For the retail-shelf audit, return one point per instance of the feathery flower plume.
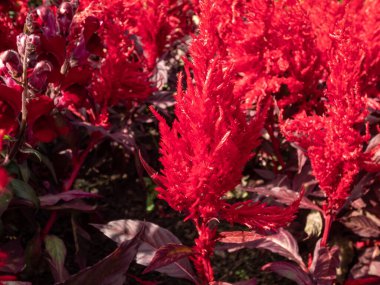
(332, 141)
(204, 151)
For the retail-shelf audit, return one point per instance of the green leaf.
(8, 138)
(5, 198)
(56, 249)
(31, 151)
(43, 159)
(24, 171)
(151, 195)
(23, 190)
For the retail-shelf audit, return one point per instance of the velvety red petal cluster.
(334, 140)
(207, 146)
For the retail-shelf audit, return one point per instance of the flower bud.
(21, 43)
(65, 17)
(39, 76)
(10, 61)
(49, 27)
(34, 43)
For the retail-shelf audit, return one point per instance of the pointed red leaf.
(290, 271)
(282, 243)
(154, 237)
(324, 265)
(110, 270)
(168, 254)
(362, 226)
(52, 199)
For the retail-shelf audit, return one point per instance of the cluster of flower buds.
(36, 67)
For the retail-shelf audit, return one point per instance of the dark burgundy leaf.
(111, 270)
(154, 237)
(168, 254)
(363, 281)
(362, 226)
(368, 263)
(374, 142)
(304, 179)
(161, 99)
(52, 199)
(151, 172)
(360, 189)
(283, 195)
(11, 257)
(325, 263)
(124, 137)
(281, 243)
(290, 271)
(302, 158)
(78, 205)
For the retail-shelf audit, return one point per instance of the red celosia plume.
(205, 149)
(333, 141)
(210, 141)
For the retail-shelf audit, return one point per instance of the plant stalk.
(24, 111)
(328, 221)
(69, 183)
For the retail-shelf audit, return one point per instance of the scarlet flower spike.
(332, 141)
(204, 151)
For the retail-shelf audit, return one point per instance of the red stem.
(49, 225)
(326, 230)
(77, 165)
(204, 247)
(275, 143)
(69, 183)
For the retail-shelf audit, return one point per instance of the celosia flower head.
(210, 141)
(332, 141)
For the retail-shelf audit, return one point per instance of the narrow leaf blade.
(153, 238)
(56, 250)
(290, 271)
(168, 254)
(110, 270)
